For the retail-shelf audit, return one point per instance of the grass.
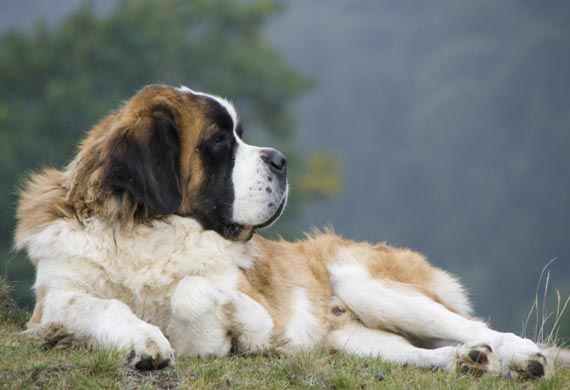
(24, 364)
(544, 323)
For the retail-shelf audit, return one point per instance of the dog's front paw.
(251, 325)
(150, 349)
(476, 359)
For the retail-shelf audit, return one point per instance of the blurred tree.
(55, 83)
(322, 176)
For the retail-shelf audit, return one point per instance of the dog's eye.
(220, 139)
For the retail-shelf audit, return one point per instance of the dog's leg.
(387, 305)
(252, 324)
(357, 339)
(207, 320)
(198, 326)
(107, 323)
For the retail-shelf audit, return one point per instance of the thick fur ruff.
(145, 242)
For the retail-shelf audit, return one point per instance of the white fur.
(353, 285)
(105, 322)
(142, 258)
(304, 330)
(206, 316)
(360, 340)
(388, 306)
(94, 265)
(445, 285)
(252, 325)
(223, 102)
(196, 318)
(257, 198)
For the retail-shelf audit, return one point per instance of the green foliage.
(55, 83)
(321, 176)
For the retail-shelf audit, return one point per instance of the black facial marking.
(218, 115)
(213, 208)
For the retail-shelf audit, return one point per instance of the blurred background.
(442, 126)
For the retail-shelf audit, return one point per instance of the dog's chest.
(142, 266)
(158, 257)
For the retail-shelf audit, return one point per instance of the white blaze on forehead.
(223, 102)
(185, 89)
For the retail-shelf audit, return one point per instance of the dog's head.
(176, 151)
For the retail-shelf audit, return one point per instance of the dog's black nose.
(276, 160)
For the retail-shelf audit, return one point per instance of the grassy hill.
(26, 365)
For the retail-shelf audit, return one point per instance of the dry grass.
(543, 322)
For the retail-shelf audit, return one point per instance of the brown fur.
(42, 202)
(86, 193)
(38, 309)
(281, 269)
(285, 266)
(77, 193)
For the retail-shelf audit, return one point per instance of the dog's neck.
(181, 242)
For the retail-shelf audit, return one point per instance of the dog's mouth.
(275, 215)
(239, 232)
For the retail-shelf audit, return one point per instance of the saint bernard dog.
(145, 242)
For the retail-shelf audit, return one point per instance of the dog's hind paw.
(526, 366)
(521, 358)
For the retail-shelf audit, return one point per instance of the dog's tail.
(560, 356)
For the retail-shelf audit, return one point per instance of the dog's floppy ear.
(144, 160)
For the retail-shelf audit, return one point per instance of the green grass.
(24, 364)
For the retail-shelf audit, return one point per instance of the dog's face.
(176, 151)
